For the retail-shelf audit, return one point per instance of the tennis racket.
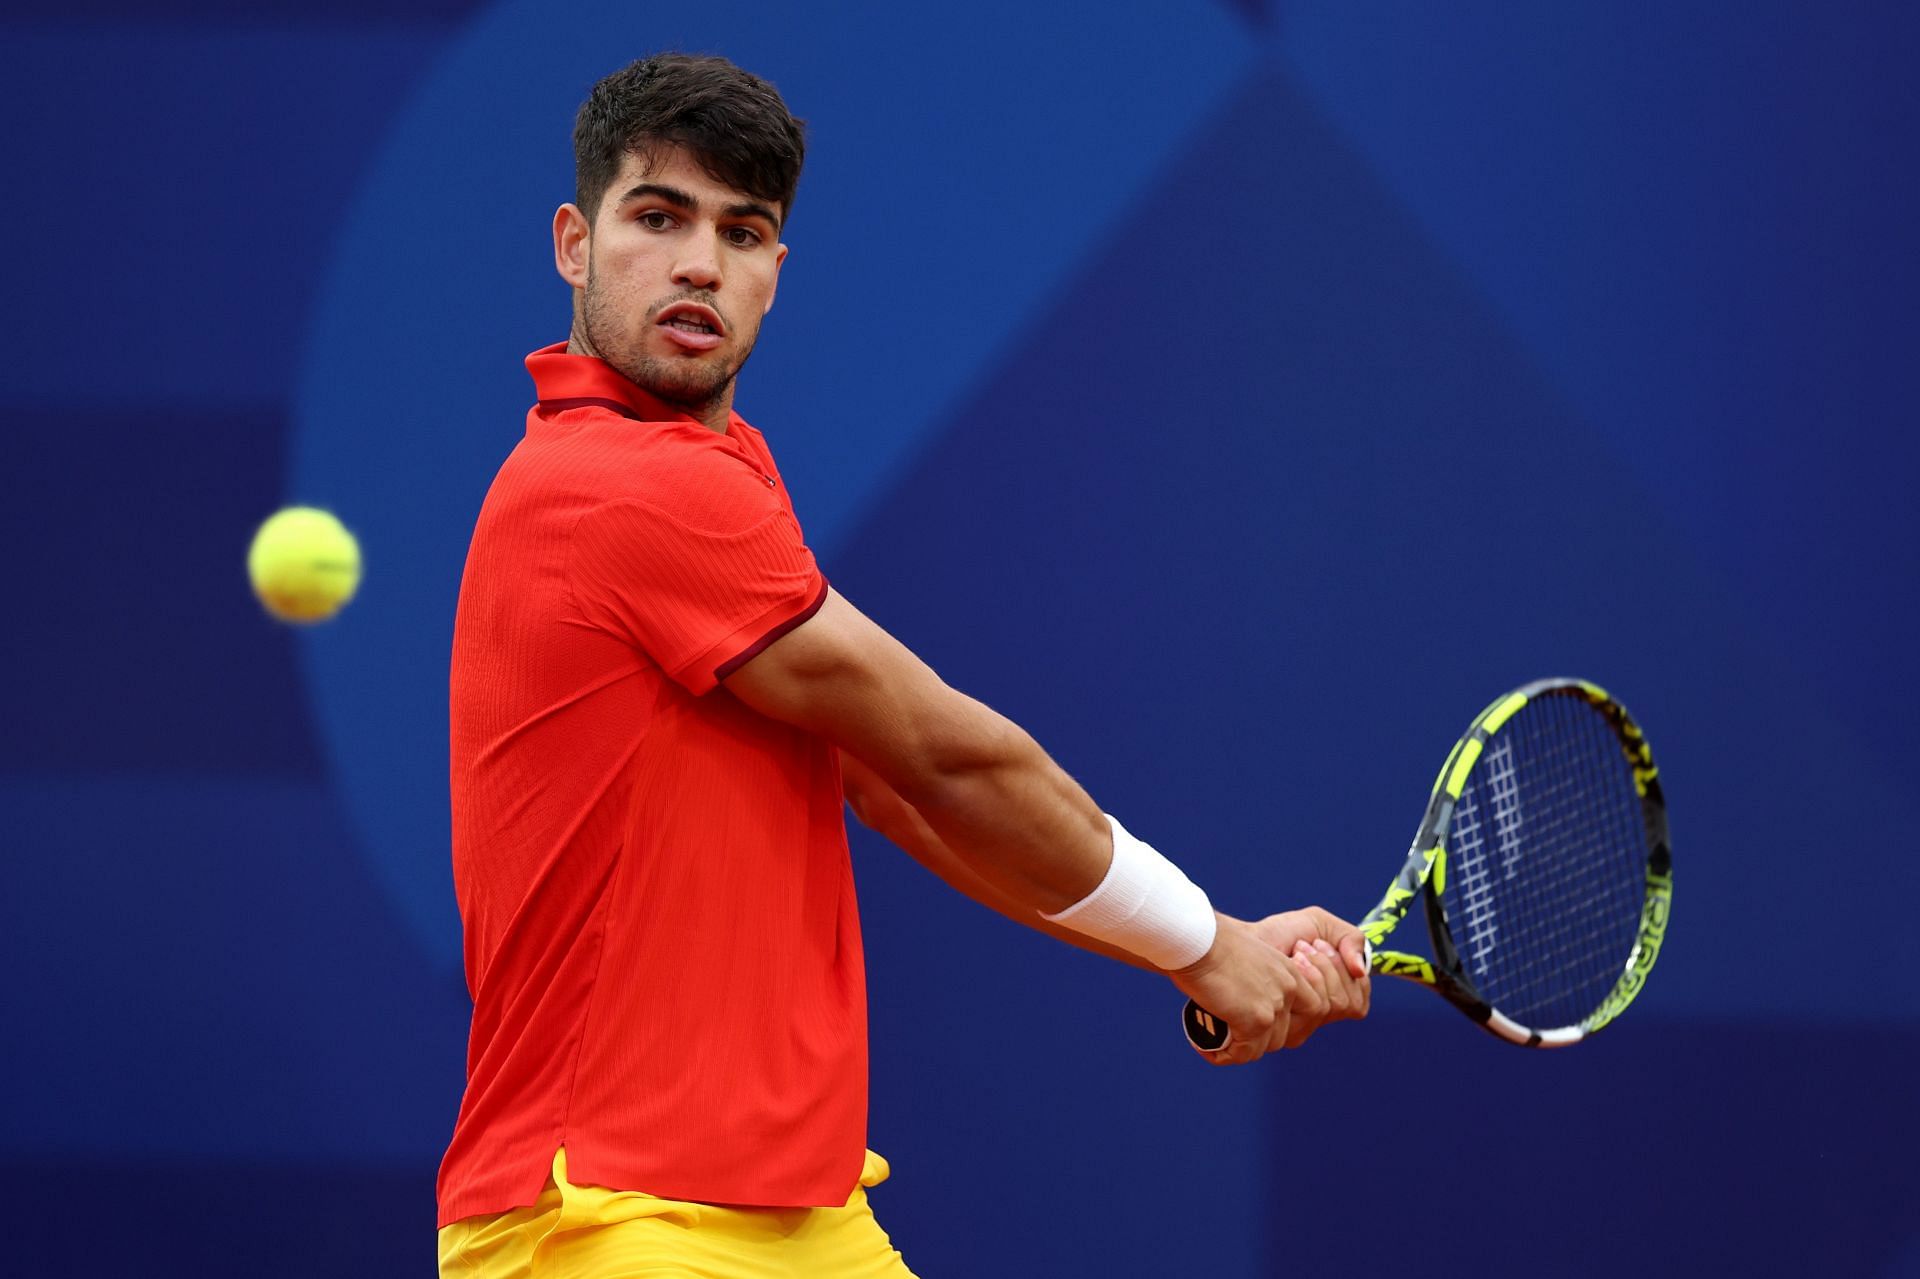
(1544, 868)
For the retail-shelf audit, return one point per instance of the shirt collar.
(561, 380)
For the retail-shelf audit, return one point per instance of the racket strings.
(1576, 941)
(1547, 859)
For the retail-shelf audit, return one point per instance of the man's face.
(678, 272)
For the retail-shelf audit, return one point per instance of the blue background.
(1239, 395)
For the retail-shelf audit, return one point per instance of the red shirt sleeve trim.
(760, 645)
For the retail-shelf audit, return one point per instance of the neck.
(714, 413)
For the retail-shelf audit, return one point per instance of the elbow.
(867, 810)
(872, 801)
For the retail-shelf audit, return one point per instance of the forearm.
(1004, 810)
(885, 813)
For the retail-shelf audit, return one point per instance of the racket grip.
(1208, 1033)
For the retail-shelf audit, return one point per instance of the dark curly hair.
(731, 120)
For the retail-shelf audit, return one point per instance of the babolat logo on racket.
(1206, 1032)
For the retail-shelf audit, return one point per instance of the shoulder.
(699, 479)
(681, 470)
(699, 490)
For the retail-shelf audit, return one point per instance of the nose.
(698, 266)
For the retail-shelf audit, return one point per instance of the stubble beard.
(692, 384)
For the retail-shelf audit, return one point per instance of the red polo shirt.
(661, 937)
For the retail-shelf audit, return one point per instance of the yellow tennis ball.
(304, 564)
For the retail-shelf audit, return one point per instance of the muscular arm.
(979, 784)
(975, 797)
(881, 810)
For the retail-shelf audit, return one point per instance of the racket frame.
(1423, 875)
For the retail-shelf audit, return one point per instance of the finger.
(1278, 1037)
(1362, 998)
(1353, 949)
(1350, 995)
(1309, 1005)
(1311, 965)
(1357, 979)
(1338, 984)
(1344, 937)
(1300, 1026)
(1304, 955)
(1250, 1037)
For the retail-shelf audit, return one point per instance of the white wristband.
(1145, 906)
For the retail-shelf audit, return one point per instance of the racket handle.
(1208, 1033)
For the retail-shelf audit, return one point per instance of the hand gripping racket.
(1544, 868)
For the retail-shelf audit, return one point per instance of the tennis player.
(660, 710)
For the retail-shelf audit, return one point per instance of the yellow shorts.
(590, 1232)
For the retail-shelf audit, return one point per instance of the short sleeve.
(700, 588)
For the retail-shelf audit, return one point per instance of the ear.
(779, 258)
(571, 235)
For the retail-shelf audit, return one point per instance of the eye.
(655, 220)
(742, 237)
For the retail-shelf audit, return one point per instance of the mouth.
(691, 326)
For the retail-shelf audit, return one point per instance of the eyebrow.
(686, 200)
